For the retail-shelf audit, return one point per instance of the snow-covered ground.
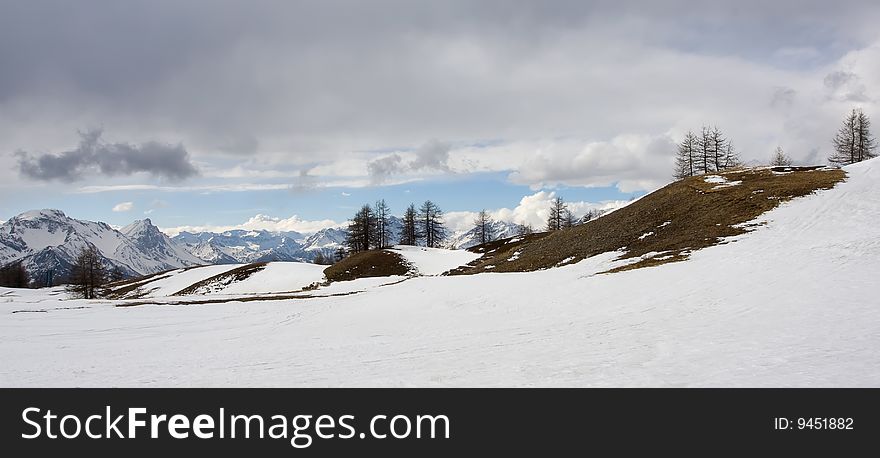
(166, 285)
(278, 277)
(434, 261)
(793, 303)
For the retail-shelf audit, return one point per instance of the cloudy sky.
(290, 114)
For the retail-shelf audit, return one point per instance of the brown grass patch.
(681, 217)
(373, 263)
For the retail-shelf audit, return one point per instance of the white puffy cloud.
(262, 222)
(632, 162)
(532, 210)
(123, 207)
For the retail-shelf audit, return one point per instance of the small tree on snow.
(88, 274)
(381, 231)
(410, 234)
(432, 226)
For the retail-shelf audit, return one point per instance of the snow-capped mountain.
(48, 241)
(244, 246)
(326, 241)
(467, 239)
(158, 245)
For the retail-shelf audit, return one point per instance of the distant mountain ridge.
(47, 241)
(468, 239)
(237, 246)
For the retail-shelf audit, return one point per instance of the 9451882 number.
(813, 423)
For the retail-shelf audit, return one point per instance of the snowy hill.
(433, 261)
(47, 242)
(789, 302)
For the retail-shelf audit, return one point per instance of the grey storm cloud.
(294, 82)
(783, 97)
(380, 170)
(432, 156)
(222, 74)
(847, 86)
(93, 155)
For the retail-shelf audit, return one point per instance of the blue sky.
(222, 208)
(307, 113)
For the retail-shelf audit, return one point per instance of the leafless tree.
(14, 275)
(382, 232)
(88, 274)
(360, 230)
(559, 215)
(524, 229)
(410, 234)
(780, 159)
(432, 226)
(484, 231)
(686, 159)
(853, 142)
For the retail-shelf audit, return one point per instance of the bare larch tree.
(87, 274)
(483, 229)
(780, 159)
(360, 230)
(382, 230)
(853, 142)
(410, 234)
(559, 215)
(432, 224)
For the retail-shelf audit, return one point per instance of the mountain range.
(47, 242)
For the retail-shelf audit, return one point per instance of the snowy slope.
(792, 303)
(434, 261)
(184, 278)
(278, 277)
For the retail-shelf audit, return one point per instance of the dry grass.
(373, 263)
(681, 217)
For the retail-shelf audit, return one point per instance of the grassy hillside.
(663, 226)
(374, 263)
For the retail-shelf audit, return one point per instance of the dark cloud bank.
(95, 156)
